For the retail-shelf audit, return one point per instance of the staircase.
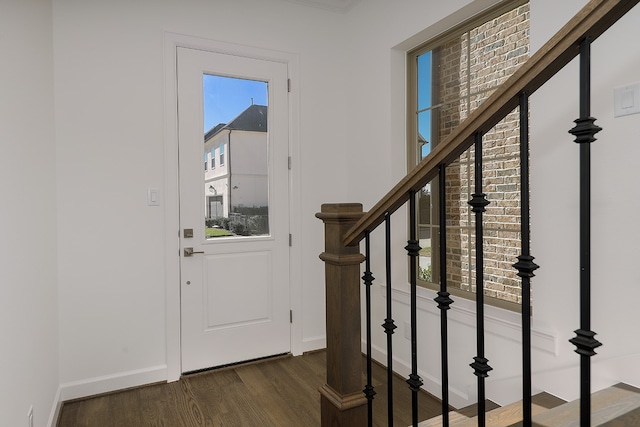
(618, 405)
(344, 402)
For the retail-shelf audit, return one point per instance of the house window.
(449, 78)
(221, 155)
(213, 158)
(205, 161)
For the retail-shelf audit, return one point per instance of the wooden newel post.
(342, 401)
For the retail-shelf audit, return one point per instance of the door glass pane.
(236, 183)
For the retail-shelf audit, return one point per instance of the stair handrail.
(591, 21)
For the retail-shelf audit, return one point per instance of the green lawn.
(217, 232)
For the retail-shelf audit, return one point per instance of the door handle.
(189, 252)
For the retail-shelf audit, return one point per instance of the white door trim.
(171, 192)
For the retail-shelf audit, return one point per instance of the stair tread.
(472, 410)
(606, 406)
(454, 417)
(500, 417)
(504, 416)
(547, 400)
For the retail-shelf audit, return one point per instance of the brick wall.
(470, 68)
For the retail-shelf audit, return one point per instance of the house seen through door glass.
(236, 182)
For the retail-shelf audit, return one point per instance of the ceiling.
(335, 5)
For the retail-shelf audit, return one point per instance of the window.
(213, 158)
(221, 155)
(205, 161)
(450, 77)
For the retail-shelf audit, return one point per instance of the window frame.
(412, 140)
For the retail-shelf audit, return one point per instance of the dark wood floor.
(276, 392)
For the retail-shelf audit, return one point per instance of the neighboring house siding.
(248, 160)
(216, 177)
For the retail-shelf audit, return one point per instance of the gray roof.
(252, 119)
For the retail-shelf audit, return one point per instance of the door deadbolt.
(189, 252)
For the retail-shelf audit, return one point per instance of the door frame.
(172, 196)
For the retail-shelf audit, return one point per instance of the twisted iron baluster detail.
(478, 204)
(368, 279)
(525, 264)
(389, 324)
(413, 250)
(585, 131)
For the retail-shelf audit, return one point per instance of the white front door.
(234, 213)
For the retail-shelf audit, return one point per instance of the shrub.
(258, 224)
(424, 274)
(237, 228)
(251, 210)
(224, 222)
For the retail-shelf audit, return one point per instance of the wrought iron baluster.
(413, 251)
(443, 299)
(584, 132)
(368, 279)
(525, 264)
(478, 203)
(389, 325)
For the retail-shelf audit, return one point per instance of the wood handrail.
(591, 21)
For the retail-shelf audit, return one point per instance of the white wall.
(28, 305)
(615, 202)
(109, 103)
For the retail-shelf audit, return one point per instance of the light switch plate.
(626, 100)
(153, 197)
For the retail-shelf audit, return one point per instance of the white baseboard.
(108, 383)
(312, 344)
(55, 409)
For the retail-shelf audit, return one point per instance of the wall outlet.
(30, 416)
